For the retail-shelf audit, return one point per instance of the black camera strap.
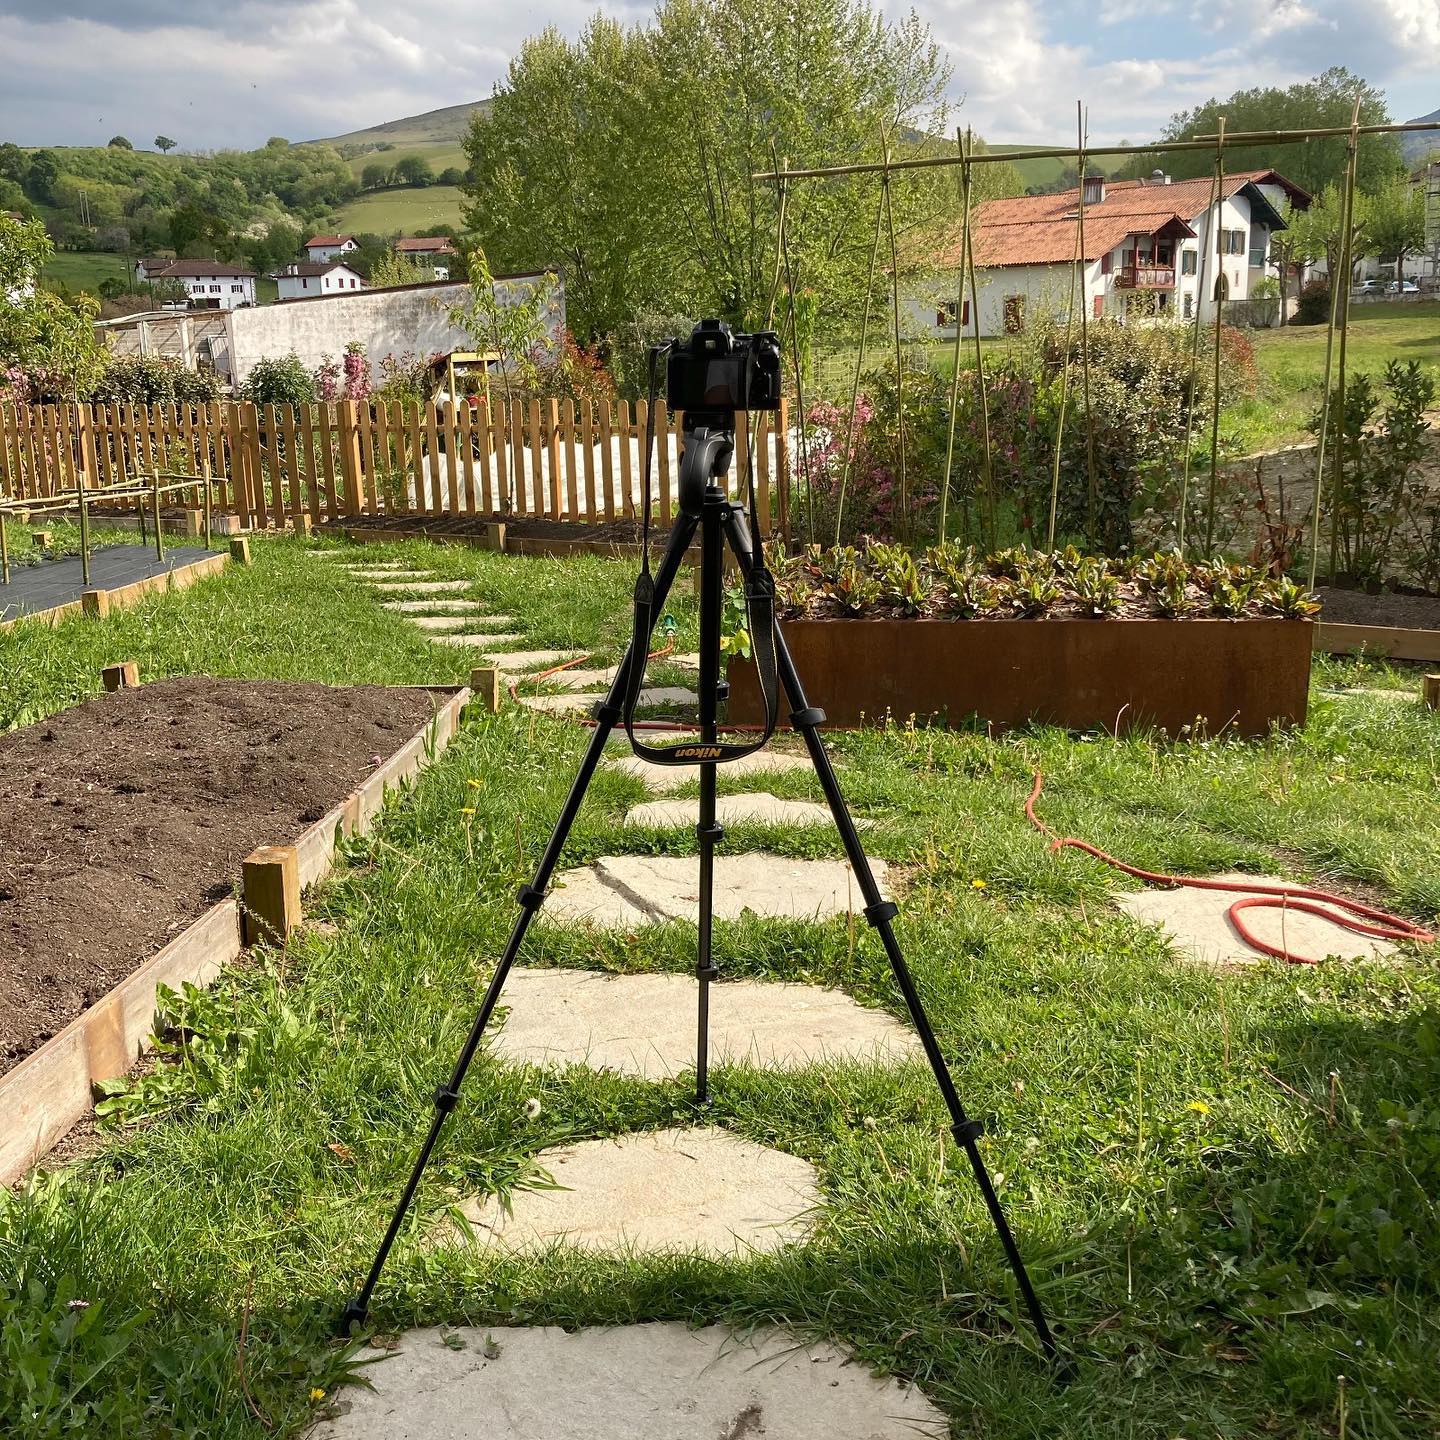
(759, 612)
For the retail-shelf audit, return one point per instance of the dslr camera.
(718, 371)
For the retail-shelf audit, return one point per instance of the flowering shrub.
(575, 374)
(951, 581)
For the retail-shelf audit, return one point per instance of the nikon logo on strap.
(697, 752)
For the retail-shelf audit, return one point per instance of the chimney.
(1094, 189)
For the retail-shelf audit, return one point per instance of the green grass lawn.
(1224, 1184)
(386, 211)
(84, 269)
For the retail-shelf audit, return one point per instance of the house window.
(304, 284)
(1222, 287)
(1234, 242)
(214, 289)
(1187, 262)
(236, 289)
(1106, 262)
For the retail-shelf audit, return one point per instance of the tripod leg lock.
(713, 833)
(446, 1099)
(707, 972)
(604, 714)
(527, 897)
(810, 718)
(967, 1131)
(882, 912)
(352, 1318)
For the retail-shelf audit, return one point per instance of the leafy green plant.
(1097, 590)
(279, 380)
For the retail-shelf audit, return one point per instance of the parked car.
(1396, 287)
(1370, 287)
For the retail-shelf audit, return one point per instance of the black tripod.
(704, 505)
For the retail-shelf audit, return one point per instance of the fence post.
(350, 469)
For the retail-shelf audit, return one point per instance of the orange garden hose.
(579, 660)
(1350, 914)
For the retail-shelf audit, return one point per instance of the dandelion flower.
(468, 810)
(317, 1394)
(977, 884)
(532, 1108)
(473, 784)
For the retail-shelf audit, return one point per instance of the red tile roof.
(426, 245)
(308, 269)
(315, 241)
(1040, 229)
(202, 270)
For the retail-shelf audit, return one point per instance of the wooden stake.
(44, 540)
(240, 549)
(95, 603)
(125, 675)
(485, 682)
(270, 893)
(1432, 691)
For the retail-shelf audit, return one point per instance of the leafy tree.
(277, 142)
(1325, 101)
(414, 170)
(14, 163)
(1319, 232)
(41, 176)
(451, 175)
(119, 142)
(39, 332)
(279, 380)
(164, 144)
(375, 176)
(1396, 223)
(393, 269)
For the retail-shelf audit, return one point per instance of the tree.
(164, 144)
(374, 176)
(14, 163)
(451, 175)
(40, 334)
(41, 175)
(119, 142)
(1397, 222)
(414, 170)
(1323, 102)
(1319, 232)
(393, 269)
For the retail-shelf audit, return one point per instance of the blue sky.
(213, 74)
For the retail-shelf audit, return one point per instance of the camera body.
(718, 371)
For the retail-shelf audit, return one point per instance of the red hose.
(1271, 897)
(578, 660)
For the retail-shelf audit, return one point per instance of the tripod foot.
(352, 1318)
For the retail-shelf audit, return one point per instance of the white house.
(309, 278)
(436, 251)
(210, 284)
(1146, 244)
(329, 247)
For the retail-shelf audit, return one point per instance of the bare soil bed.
(1402, 611)
(123, 819)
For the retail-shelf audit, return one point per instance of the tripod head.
(709, 448)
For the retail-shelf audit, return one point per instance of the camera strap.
(759, 610)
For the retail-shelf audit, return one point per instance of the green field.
(387, 212)
(1048, 171)
(1223, 1181)
(441, 156)
(78, 270)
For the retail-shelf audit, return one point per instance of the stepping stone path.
(689, 1190)
(629, 890)
(644, 1025)
(674, 1190)
(1196, 924)
(660, 1381)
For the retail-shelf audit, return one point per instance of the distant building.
(433, 250)
(1146, 242)
(209, 284)
(329, 247)
(309, 278)
(147, 267)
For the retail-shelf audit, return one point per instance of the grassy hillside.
(84, 269)
(384, 212)
(1048, 171)
(434, 128)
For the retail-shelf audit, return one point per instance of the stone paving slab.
(416, 607)
(644, 1025)
(534, 659)
(757, 809)
(688, 1190)
(660, 1381)
(661, 778)
(440, 623)
(420, 587)
(390, 572)
(580, 678)
(1196, 923)
(628, 890)
(587, 700)
(475, 642)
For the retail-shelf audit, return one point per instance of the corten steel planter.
(1241, 676)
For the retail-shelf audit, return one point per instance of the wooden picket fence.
(271, 464)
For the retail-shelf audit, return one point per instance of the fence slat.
(367, 483)
(572, 476)
(782, 468)
(480, 431)
(642, 412)
(378, 456)
(465, 417)
(325, 423)
(538, 505)
(662, 443)
(627, 479)
(552, 458)
(587, 455)
(450, 427)
(68, 472)
(607, 461)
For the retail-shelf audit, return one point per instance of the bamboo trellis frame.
(965, 159)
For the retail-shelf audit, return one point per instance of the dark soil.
(1404, 612)
(607, 532)
(123, 819)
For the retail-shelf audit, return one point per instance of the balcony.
(1145, 277)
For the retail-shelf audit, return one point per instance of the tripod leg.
(530, 898)
(880, 913)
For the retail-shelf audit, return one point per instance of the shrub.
(279, 380)
(153, 380)
(1313, 306)
(575, 374)
(630, 346)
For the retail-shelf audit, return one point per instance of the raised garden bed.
(123, 825)
(1060, 639)
(120, 576)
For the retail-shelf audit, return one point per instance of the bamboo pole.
(1092, 493)
(955, 359)
(855, 387)
(1065, 152)
(1202, 271)
(784, 240)
(1325, 420)
(1221, 290)
(1075, 263)
(895, 326)
(986, 468)
(1347, 240)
